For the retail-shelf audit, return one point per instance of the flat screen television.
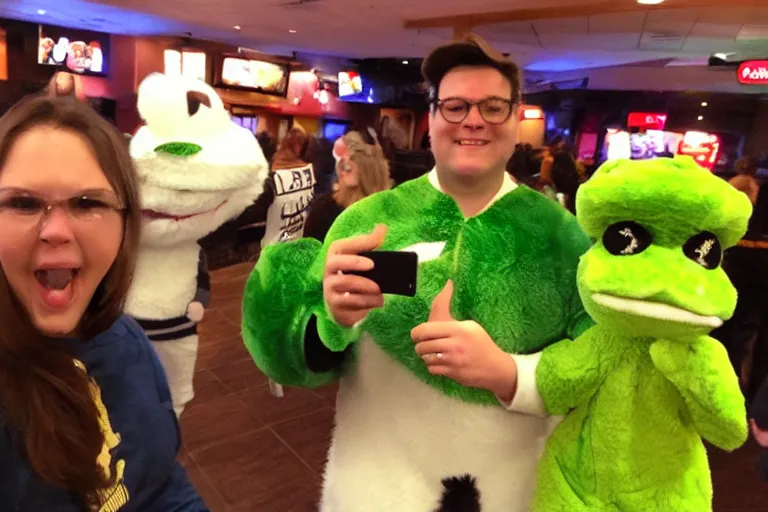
(80, 51)
(333, 129)
(350, 84)
(255, 75)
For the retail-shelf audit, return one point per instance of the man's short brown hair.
(471, 50)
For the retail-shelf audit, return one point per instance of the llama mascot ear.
(198, 170)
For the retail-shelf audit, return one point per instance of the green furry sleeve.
(703, 375)
(280, 297)
(570, 372)
(283, 292)
(358, 219)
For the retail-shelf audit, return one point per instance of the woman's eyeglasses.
(27, 209)
(493, 110)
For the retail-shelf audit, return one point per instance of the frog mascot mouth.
(639, 390)
(197, 170)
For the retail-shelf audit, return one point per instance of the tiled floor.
(247, 451)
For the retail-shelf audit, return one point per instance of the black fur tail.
(460, 494)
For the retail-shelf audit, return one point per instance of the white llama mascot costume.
(197, 170)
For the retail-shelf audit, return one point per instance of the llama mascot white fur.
(197, 170)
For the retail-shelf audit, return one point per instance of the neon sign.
(647, 121)
(753, 72)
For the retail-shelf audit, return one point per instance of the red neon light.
(753, 72)
(703, 147)
(649, 121)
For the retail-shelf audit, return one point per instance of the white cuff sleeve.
(527, 399)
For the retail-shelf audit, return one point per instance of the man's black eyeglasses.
(493, 110)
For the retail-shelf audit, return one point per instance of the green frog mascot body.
(643, 387)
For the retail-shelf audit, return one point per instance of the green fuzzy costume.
(642, 387)
(403, 435)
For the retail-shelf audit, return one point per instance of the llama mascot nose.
(197, 170)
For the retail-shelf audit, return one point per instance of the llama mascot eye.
(197, 170)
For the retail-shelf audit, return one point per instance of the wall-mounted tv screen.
(256, 75)
(333, 129)
(80, 51)
(350, 84)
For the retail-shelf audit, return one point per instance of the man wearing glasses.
(434, 413)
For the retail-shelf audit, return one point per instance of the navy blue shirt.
(142, 435)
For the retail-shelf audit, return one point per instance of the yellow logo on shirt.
(116, 496)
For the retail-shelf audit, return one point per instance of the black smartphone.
(393, 271)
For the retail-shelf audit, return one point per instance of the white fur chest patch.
(426, 251)
(396, 439)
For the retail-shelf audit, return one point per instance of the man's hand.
(349, 297)
(463, 350)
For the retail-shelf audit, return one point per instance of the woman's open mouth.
(57, 286)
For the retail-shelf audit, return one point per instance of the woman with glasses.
(435, 412)
(86, 421)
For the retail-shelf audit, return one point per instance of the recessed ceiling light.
(292, 31)
(237, 27)
(650, 2)
(701, 118)
(41, 12)
(405, 62)
(704, 103)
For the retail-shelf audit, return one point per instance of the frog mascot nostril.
(642, 388)
(197, 170)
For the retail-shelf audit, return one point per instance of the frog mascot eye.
(646, 384)
(626, 239)
(704, 248)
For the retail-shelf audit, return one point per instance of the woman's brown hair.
(291, 150)
(46, 399)
(372, 169)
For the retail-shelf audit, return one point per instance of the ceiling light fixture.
(405, 62)
(292, 31)
(701, 118)
(650, 2)
(41, 12)
(237, 27)
(704, 103)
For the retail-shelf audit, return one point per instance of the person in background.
(758, 415)
(290, 151)
(288, 190)
(320, 154)
(745, 335)
(566, 180)
(289, 155)
(86, 421)
(268, 145)
(745, 181)
(522, 166)
(362, 170)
